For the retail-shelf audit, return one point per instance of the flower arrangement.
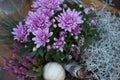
(49, 32)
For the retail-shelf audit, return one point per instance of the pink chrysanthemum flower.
(59, 43)
(37, 20)
(41, 37)
(46, 12)
(20, 33)
(69, 20)
(76, 30)
(47, 4)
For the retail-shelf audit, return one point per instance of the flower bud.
(94, 22)
(65, 5)
(34, 49)
(54, 25)
(80, 6)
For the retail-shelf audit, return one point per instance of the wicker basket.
(100, 5)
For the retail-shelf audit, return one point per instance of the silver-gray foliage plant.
(104, 61)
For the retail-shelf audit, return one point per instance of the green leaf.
(41, 51)
(31, 54)
(27, 51)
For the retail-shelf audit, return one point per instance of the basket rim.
(101, 5)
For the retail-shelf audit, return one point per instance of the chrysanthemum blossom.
(41, 37)
(37, 20)
(46, 12)
(76, 30)
(69, 19)
(47, 4)
(36, 4)
(59, 43)
(20, 33)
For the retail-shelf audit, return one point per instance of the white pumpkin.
(53, 71)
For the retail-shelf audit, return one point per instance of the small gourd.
(53, 71)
